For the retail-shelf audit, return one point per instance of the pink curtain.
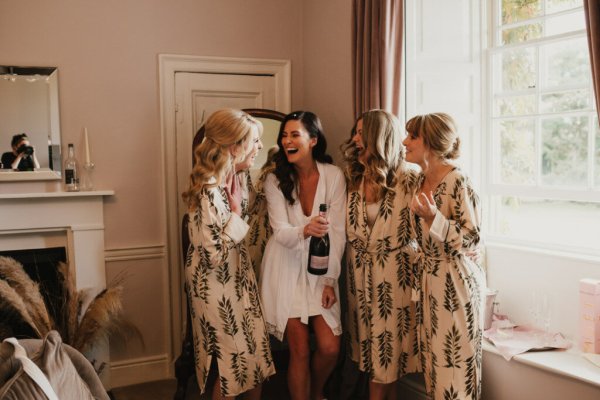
(592, 21)
(377, 30)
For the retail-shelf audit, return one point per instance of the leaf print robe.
(382, 277)
(260, 227)
(452, 287)
(226, 312)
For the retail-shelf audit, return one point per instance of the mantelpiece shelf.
(57, 194)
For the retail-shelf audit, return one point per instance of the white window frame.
(492, 185)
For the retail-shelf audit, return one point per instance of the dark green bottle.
(318, 253)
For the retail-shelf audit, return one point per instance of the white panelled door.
(200, 94)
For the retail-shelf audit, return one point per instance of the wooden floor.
(273, 389)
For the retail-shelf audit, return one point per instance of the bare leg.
(254, 393)
(216, 394)
(381, 391)
(324, 358)
(298, 368)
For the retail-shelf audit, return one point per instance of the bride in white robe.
(303, 179)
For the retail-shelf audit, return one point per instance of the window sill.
(567, 254)
(568, 363)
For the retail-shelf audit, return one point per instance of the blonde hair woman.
(226, 312)
(380, 253)
(448, 229)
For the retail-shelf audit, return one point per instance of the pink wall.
(327, 67)
(107, 55)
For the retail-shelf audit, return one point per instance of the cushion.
(53, 360)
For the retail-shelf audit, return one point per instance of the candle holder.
(87, 181)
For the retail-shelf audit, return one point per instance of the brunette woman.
(303, 179)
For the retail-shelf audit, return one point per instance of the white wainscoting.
(135, 253)
(140, 370)
(155, 364)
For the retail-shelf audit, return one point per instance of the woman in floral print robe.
(381, 254)
(447, 224)
(226, 312)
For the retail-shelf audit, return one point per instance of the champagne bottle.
(318, 253)
(71, 171)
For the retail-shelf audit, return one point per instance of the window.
(543, 164)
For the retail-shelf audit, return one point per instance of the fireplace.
(38, 223)
(40, 265)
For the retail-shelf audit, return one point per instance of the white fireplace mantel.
(76, 221)
(79, 215)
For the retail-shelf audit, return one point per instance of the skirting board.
(139, 370)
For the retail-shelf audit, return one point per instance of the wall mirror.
(29, 104)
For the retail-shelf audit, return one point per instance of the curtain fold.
(592, 22)
(377, 30)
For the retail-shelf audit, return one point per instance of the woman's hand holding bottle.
(317, 227)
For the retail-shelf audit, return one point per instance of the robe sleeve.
(214, 234)
(284, 232)
(460, 230)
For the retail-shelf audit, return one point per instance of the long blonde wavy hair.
(213, 158)
(382, 138)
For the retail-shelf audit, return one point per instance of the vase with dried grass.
(81, 318)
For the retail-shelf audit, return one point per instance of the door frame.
(168, 65)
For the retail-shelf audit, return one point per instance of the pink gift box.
(589, 311)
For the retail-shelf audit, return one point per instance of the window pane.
(565, 101)
(565, 23)
(518, 69)
(517, 151)
(519, 10)
(564, 151)
(522, 33)
(553, 6)
(536, 220)
(514, 105)
(565, 63)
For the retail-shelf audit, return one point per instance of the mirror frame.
(44, 173)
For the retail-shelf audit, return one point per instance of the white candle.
(87, 147)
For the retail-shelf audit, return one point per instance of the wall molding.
(139, 370)
(135, 253)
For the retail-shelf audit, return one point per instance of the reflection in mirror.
(29, 104)
(271, 121)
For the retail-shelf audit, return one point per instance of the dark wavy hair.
(17, 138)
(284, 170)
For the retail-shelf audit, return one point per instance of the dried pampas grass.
(70, 303)
(15, 276)
(82, 319)
(98, 317)
(10, 300)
